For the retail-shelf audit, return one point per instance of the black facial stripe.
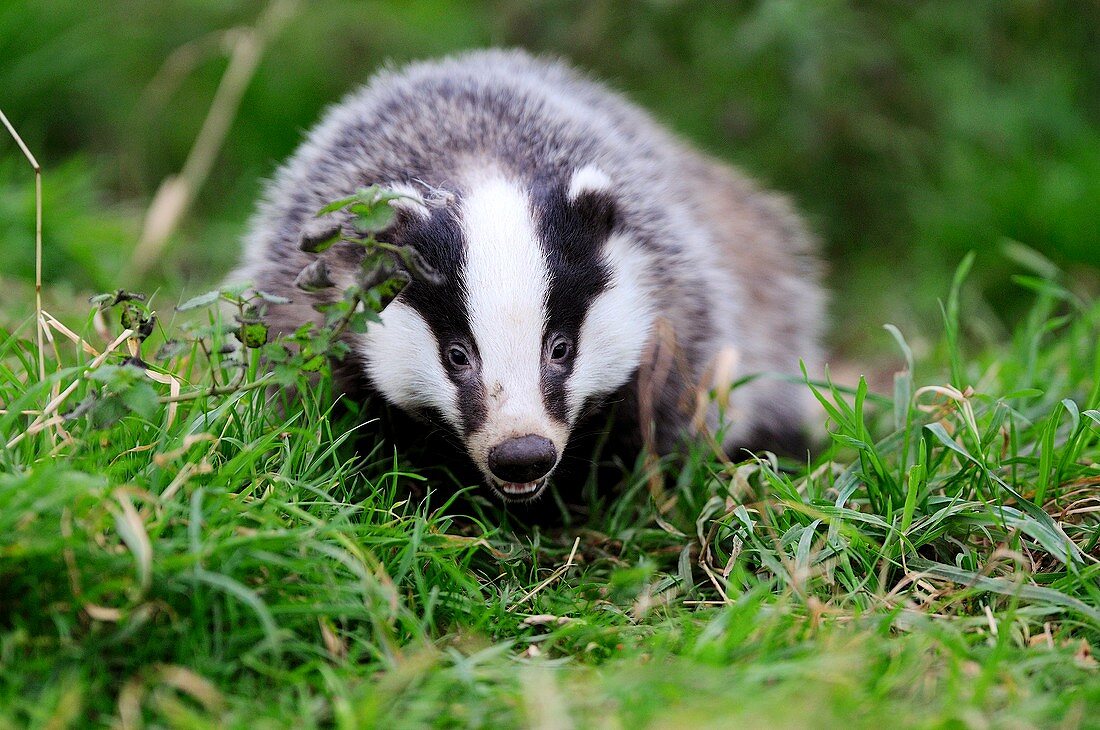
(572, 234)
(440, 241)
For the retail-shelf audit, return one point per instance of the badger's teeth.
(516, 488)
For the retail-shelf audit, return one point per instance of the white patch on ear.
(506, 281)
(402, 361)
(588, 179)
(411, 200)
(615, 329)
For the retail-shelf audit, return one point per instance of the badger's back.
(725, 269)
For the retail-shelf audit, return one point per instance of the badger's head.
(540, 312)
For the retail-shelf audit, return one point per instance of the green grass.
(228, 562)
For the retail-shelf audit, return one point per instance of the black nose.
(522, 459)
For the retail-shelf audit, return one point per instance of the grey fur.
(732, 266)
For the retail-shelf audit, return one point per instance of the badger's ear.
(318, 232)
(410, 205)
(590, 193)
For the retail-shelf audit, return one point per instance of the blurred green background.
(908, 133)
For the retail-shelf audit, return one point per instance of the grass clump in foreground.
(178, 551)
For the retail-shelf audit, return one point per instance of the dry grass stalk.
(39, 327)
(559, 572)
(176, 193)
(46, 418)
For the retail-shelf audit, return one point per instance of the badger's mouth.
(517, 492)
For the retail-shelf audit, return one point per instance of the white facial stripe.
(506, 280)
(615, 329)
(403, 363)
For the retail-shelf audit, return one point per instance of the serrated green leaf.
(372, 219)
(271, 298)
(202, 300)
(171, 349)
(313, 364)
(107, 411)
(140, 398)
(337, 205)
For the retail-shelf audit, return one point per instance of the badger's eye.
(561, 349)
(457, 358)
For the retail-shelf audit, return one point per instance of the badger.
(586, 259)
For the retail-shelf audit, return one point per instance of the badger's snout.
(523, 459)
